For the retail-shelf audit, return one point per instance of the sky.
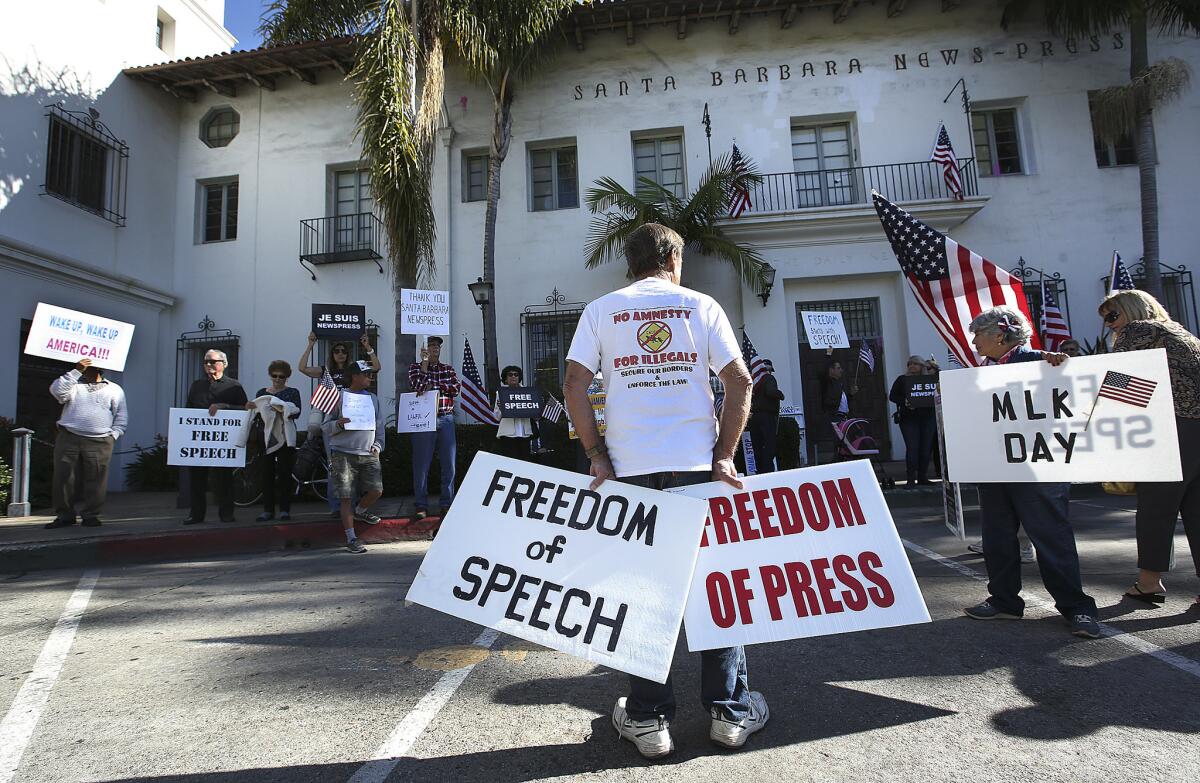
(241, 19)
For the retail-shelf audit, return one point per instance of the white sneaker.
(734, 734)
(650, 737)
(1027, 555)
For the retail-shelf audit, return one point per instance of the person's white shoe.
(1027, 556)
(733, 734)
(651, 737)
(977, 547)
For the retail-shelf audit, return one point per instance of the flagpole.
(1088, 423)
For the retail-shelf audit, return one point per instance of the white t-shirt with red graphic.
(655, 343)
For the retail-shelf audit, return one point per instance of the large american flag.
(757, 365)
(327, 395)
(474, 399)
(1054, 325)
(739, 198)
(1127, 388)
(943, 153)
(952, 284)
(1118, 276)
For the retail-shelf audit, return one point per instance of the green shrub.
(150, 471)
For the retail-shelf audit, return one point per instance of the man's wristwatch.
(595, 451)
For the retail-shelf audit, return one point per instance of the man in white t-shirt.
(655, 343)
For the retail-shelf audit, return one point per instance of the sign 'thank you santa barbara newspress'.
(424, 312)
(531, 551)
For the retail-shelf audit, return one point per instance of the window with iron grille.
(548, 338)
(475, 170)
(1057, 287)
(553, 178)
(660, 159)
(218, 210)
(86, 164)
(997, 142)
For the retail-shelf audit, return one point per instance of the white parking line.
(17, 727)
(1141, 645)
(410, 728)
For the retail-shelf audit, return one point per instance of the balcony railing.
(795, 190)
(334, 240)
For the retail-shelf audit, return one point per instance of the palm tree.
(515, 39)
(618, 212)
(398, 40)
(1128, 110)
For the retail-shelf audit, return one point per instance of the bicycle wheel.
(319, 483)
(247, 484)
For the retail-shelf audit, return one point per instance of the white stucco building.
(243, 180)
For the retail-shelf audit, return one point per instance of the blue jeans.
(723, 679)
(423, 444)
(1042, 510)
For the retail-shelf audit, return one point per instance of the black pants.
(277, 479)
(1160, 503)
(221, 480)
(1041, 509)
(919, 434)
(764, 437)
(517, 448)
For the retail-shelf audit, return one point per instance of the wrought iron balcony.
(898, 182)
(342, 238)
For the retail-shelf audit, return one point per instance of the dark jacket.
(226, 394)
(766, 396)
(899, 395)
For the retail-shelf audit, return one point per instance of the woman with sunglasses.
(1139, 322)
(339, 362)
(278, 464)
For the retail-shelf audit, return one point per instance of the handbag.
(1119, 487)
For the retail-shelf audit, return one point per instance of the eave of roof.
(224, 73)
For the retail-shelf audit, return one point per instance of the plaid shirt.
(441, 377)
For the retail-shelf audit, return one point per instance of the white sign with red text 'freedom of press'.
(801, 553)
(531, 551)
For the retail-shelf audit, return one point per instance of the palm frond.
(606, 193)
(1176, 17)
(1115, 110)
(745, 259)
(297, 21)
(606, 238)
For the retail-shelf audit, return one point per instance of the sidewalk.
(146, 526)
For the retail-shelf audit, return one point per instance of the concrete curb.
(206, 541)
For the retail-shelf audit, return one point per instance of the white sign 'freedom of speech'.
(424, 312)
(1029, 421)
(531, 551)
(825, 329)
(69, 335)
(196, 439)
(417, 412)
(806, 552)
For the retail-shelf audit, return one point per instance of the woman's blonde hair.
(1134, 305)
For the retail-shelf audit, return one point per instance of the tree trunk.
(405, 345)
(1139, 61)
(501, 136)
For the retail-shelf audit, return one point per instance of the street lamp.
(481, 292)
(768, 282)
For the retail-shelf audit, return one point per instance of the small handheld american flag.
(867, 356)
(1125, 388)
(553, 410)
(1054, 325)
(739, 198)
(327, 395)
(1118, 276)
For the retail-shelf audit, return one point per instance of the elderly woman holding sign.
(1001, 334)
(1140, 322)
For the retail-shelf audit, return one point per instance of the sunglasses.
(338, 350)
(280, 377)
(1111, 317)
(213, 361)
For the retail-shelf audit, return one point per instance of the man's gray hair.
(221, 354)
(1003, 320)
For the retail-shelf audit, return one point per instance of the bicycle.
(311, 471)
